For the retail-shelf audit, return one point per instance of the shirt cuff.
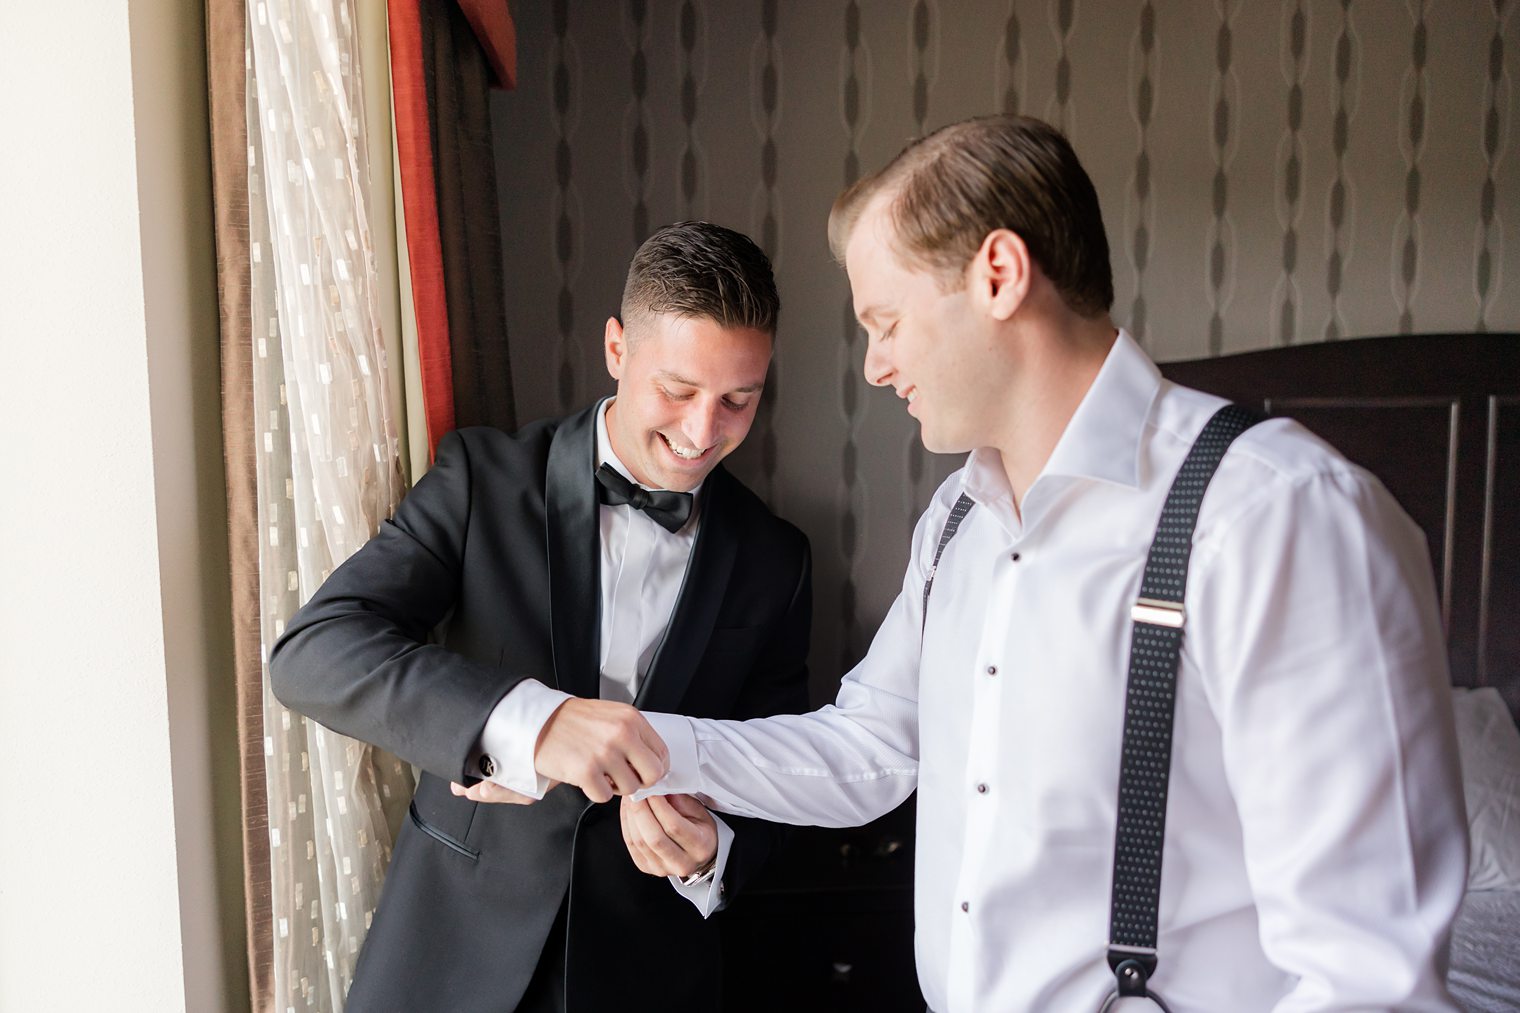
(682, 776)
(510, 737)
(708, 896)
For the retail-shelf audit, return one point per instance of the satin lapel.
(571, 524)
(712, 561)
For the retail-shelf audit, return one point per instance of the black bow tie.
(667, 509)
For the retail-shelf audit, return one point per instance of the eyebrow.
(869, 313)
(678, 378)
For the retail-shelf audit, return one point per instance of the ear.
(615, 345)
(1001, 272)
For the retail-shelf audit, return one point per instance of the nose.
(877, 369)
(702, 422)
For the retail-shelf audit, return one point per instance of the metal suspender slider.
(1158, 613)
(1149, 708)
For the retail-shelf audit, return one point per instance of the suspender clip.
(1132, 967)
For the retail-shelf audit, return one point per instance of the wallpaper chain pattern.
(1221, 231)
(689, 156)
(1406, 241)
(566, 207)
(1008, 74)
(924, 40)
(1294, 50)
(1490, 237)
(765, 219)
(1340, 203)
(1270, 172)
(637, 126)
(851, 496)
(1139, 211)
(1063, 19)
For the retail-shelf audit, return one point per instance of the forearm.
(358, 676)
(818, 769)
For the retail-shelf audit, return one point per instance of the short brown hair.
(953, 187)
(697, 269)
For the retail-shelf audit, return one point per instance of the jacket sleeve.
(356, 657)
(777, 685)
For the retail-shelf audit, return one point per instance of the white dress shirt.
(1315, 842)
(642, 567)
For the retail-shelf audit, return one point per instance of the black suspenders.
(958, 513)
(1150, 703)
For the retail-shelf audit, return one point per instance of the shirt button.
(981, 789)
(1014, 556)
(992, 670)
(965, 905)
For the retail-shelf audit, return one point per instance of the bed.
(1437, 419)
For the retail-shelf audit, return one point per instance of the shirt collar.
(1102, 440)
(606, 455)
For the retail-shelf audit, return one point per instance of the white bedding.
(1485, 952)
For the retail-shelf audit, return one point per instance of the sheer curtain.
(328, 468)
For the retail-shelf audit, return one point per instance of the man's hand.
(669, 835)
(489, 791)
(601, 747)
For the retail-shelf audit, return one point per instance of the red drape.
(424, 252)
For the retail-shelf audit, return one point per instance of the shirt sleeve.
(708, 897)
(1318, 640)
(842, 765)
(510, 737)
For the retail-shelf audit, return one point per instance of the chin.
(936, 443)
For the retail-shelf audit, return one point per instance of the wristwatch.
(703, 874)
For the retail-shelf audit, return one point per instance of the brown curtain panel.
(226, 40)
(459, 76)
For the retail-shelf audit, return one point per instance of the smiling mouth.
(685, 455)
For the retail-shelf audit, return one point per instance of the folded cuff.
(510, 736)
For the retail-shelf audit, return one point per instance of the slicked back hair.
(950, 189)
(697, 269)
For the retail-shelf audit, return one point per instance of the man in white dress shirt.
(1315, 842)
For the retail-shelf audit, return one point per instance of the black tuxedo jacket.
(488, 575)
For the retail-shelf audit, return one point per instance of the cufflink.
(487, 765)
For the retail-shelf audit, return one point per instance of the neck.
(617, 451)
(1057, 369)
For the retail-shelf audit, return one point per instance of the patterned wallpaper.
(1272, 171)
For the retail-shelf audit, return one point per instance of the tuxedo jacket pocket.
(444, 816)
(447, 840)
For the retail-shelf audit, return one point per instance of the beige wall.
(1160, 98)
(118, 867)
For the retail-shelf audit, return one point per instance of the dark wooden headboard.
(1437, 418)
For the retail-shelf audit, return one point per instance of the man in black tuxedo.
(497, 632)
